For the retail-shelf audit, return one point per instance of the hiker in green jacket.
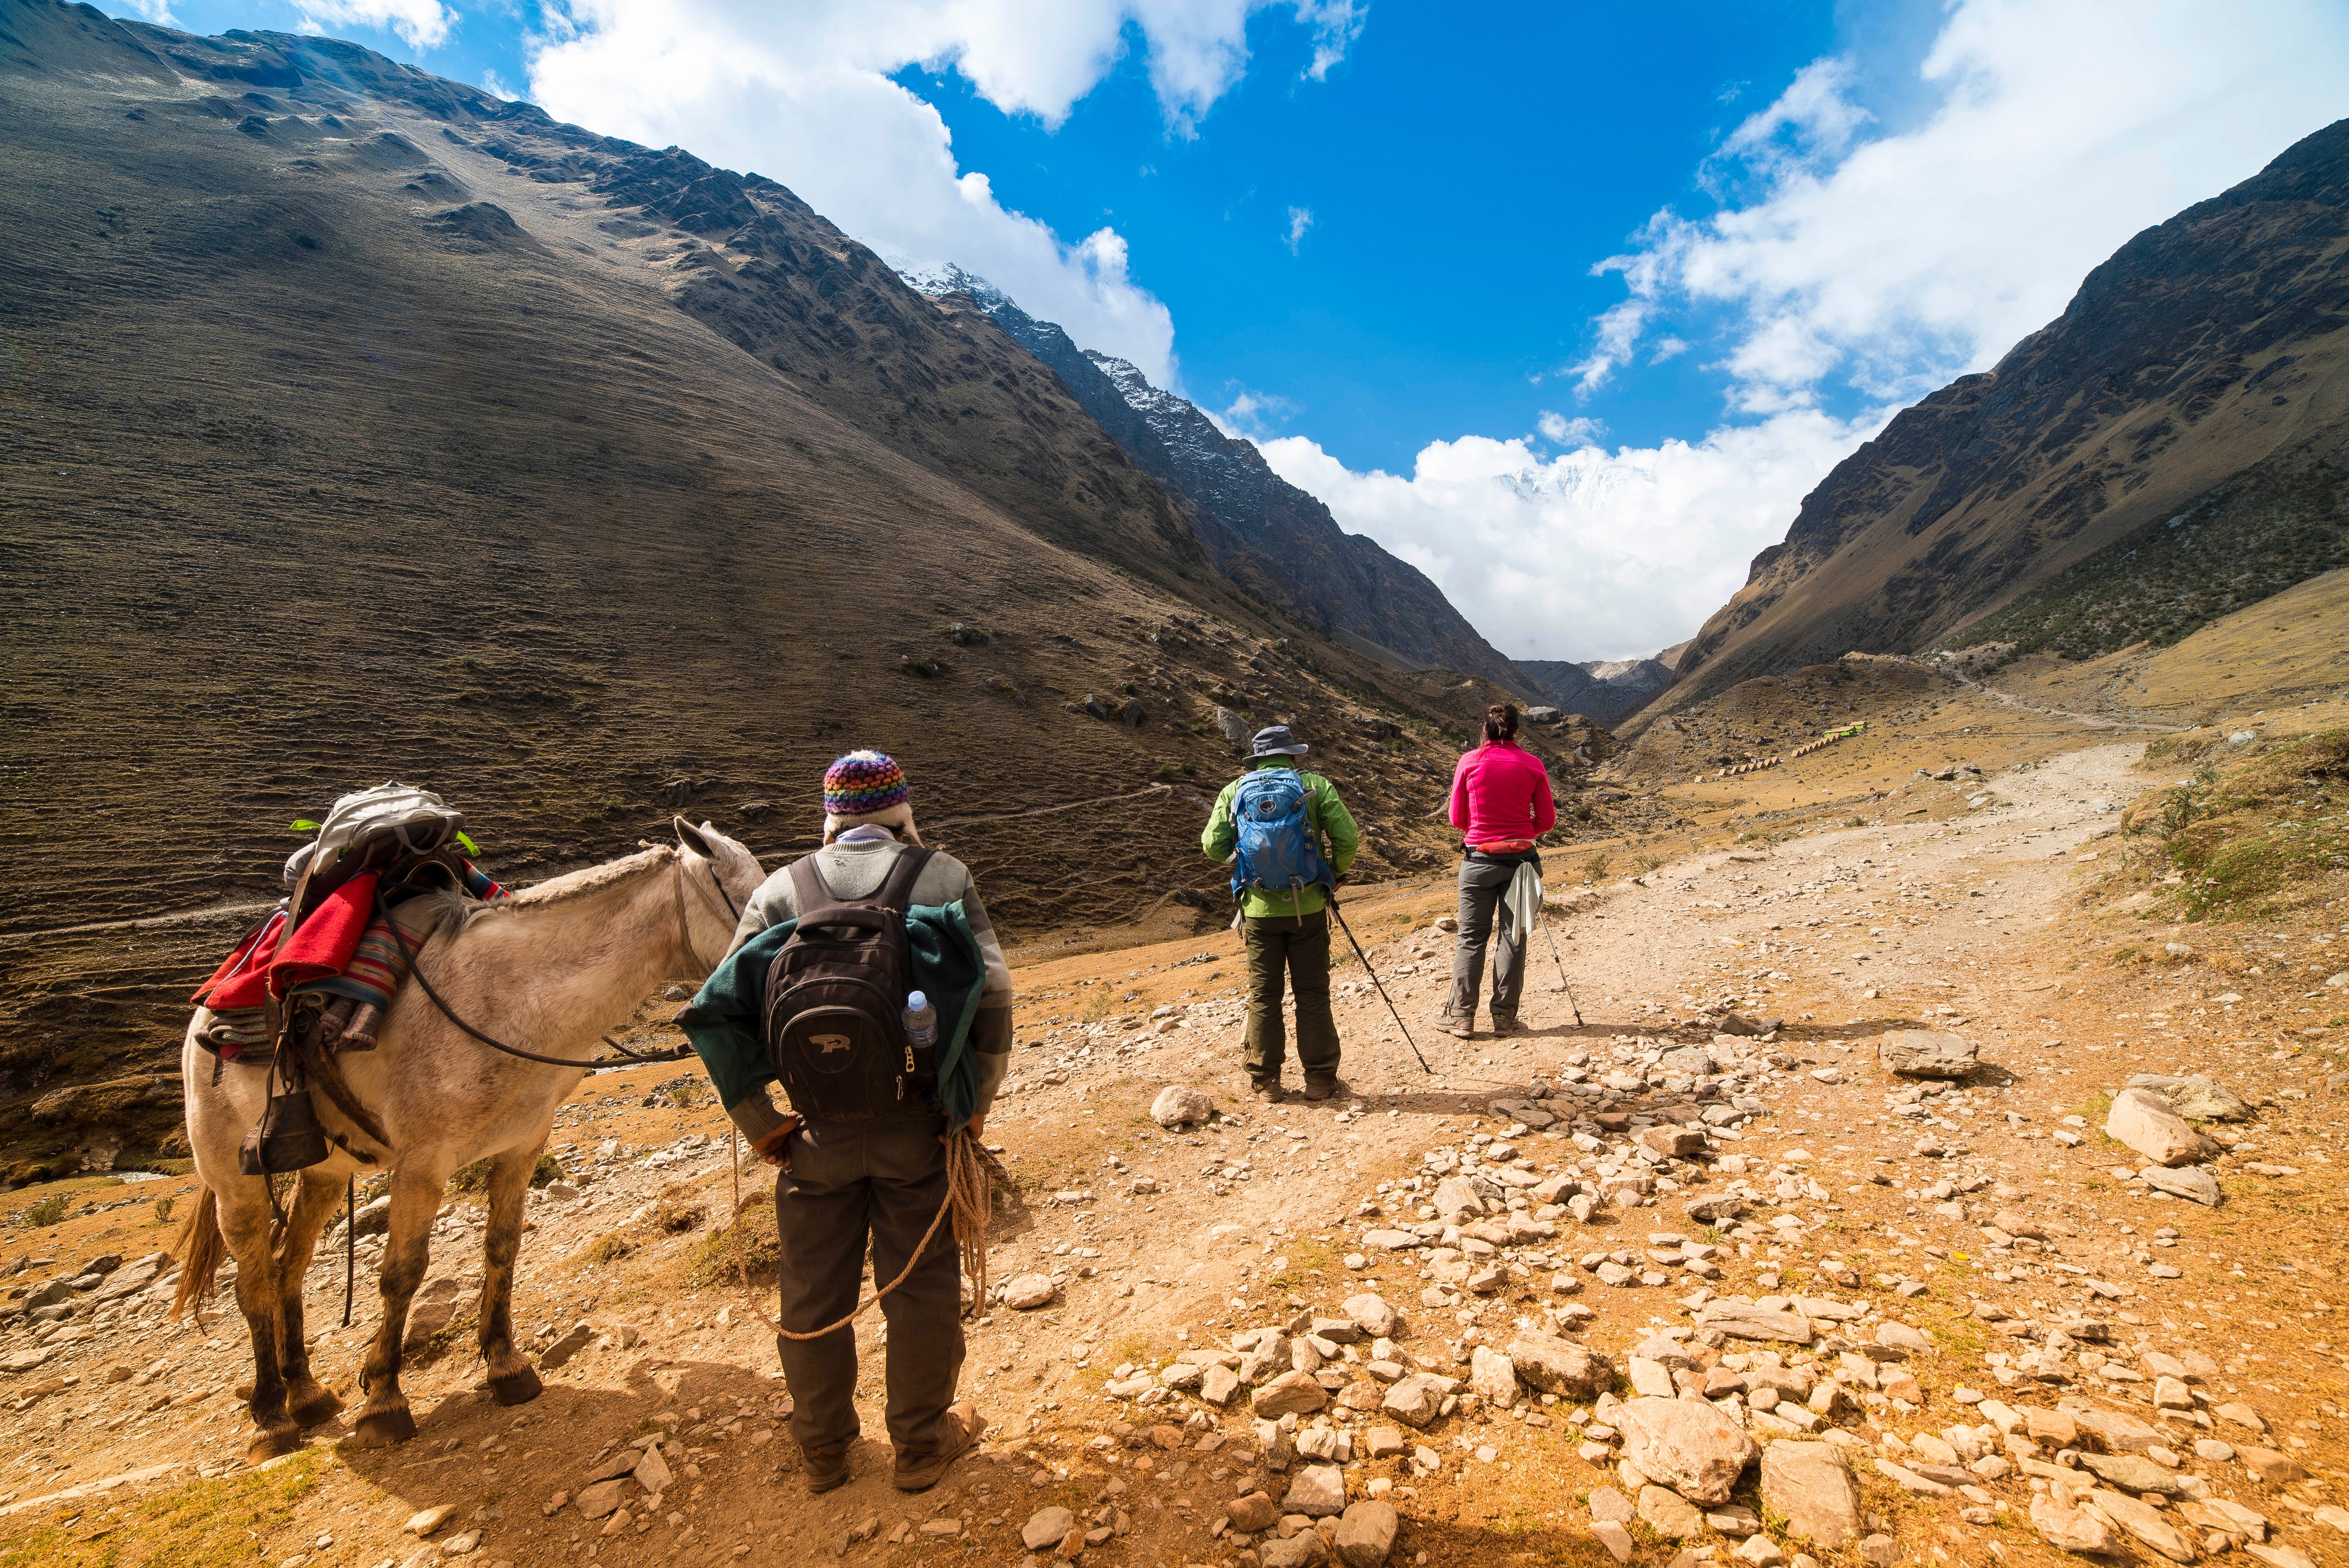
(1274, 830)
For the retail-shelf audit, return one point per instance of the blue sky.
(1568, 304)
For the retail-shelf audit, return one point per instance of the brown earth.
(2020, 925)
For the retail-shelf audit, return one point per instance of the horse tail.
(200, 1247)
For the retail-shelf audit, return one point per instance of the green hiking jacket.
(726, 1020)
(1324, 813)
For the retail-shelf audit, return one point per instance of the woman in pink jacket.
(1501, 803)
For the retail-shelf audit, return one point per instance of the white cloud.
(1253, 415)
(1299, 220)
(1588, 554)
(1890, 262)
(801, 92)
(1581, 431)
(156, 11)
(419, 24)
(1864, 253)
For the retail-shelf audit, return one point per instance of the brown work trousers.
(851, 1184)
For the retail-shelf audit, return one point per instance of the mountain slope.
(1262, 532)
(355, 425)
(2211, 349)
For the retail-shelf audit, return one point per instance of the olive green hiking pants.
(1296, 946)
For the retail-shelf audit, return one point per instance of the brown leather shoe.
(827, 1467)
(1267, 1091)
(1327, 1088)
(959, 1431)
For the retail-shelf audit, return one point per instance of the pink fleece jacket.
(1501, 791)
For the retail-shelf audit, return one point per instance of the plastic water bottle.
(921, 1022)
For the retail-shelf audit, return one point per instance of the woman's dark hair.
(1501, 721)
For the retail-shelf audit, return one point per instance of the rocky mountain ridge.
(1262, 532)
(2210, 351)
(1603, 689)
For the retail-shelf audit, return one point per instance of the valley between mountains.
(1716, 1192)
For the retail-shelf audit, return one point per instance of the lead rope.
(972, 1167)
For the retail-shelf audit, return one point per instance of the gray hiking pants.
(848, 1182)
(1484, 921)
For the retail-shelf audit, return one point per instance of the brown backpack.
(834, 1024)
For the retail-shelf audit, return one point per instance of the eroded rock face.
(1685, 1444)
(1811, 1486)
(2144, 1120)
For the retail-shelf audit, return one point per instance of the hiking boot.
(958, 1431)
(1327, 1088)
(1459, 1028)
(827, 1467)
(1506, 1025)
(1267, 1089)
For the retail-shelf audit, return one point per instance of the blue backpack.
(1278, 850)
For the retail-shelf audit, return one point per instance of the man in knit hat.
(1289, 931)
(884, 1179)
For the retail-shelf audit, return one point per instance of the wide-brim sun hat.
(1275, 740)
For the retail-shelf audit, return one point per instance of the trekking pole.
(1562, 982)
(1373, 973)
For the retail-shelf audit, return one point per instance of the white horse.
(547, 971)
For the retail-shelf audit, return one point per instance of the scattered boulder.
(1026, 1293)
(2063, 1524)
(2146, 1522)
(1048, 1527)
(1302, 1550)
(1557, 1366)
(1367, 1533)
(1927, 1052)
(2132, 1472)
(603, 1497)
(1415, 1400)
(1456, 1200)
(578, 1338)
(1492, 1376)
(1686, 1444)
(1248, 1514)
(1177, 1106)
(1292, 1393)
(1376, 1318)
(1743, 1320)
(1811, 1486)
(2188, 1181)
(1670, 1514)
(1317, 1491)
(2197, 1099)
(2144, 1120)
(1673, 1143)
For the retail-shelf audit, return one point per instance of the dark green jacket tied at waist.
(725, 1019)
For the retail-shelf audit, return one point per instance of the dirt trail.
(1157, 1242)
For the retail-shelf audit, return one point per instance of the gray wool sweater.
(857, 871)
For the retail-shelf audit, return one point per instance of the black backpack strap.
(897, 890)
(808, 889)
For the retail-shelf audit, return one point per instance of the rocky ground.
(1670, 1285)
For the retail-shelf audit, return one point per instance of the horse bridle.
(685, 940)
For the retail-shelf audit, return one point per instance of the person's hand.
(977, 1129)
(774, 1148)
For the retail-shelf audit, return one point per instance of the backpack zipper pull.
(909, 1067)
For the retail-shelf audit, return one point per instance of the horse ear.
(691, 837)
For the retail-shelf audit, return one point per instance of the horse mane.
(454, 911)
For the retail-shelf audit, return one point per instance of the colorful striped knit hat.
(866, 787)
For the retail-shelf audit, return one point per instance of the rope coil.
(970, 1170)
